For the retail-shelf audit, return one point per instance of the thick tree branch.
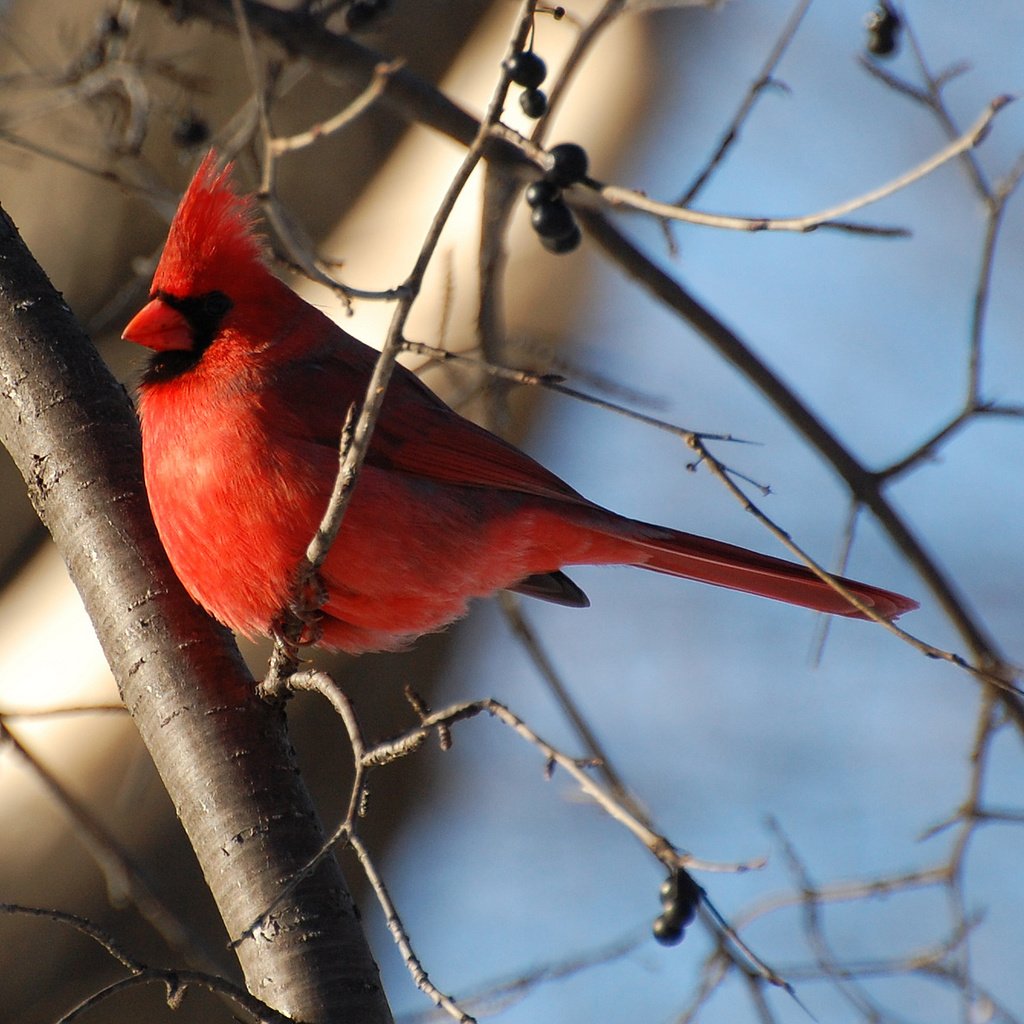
(223, 754)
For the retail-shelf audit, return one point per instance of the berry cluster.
(883, 25)
(362, 13)
(680, 895)
(551, 218)
(528, 70)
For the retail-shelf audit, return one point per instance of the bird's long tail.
(726, 565)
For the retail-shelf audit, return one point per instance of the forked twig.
(617, 196)
(367, 758)
(764, 79)
(176, 981)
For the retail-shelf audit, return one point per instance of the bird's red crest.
(213, 233)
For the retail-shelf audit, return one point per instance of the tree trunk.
(223, 754)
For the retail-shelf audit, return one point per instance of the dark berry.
(527, 69)
(542, 192)
(568, 164)
(552, 219)
(882, 42)
(680, 896)
(667, 931)
(883, 25)
(191, 131)
(566, 243)
(534, 103)
(681, 913)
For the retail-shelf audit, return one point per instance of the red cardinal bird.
(242, 407)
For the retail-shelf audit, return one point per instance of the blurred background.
(743, 731)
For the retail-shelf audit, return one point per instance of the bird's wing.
(416, 432)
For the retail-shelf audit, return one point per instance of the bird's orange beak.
(159, 327)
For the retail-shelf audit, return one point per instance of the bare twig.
(362, 103)
(579, 771)
(763, 81)
(829, 217)
(588, 35)
(556, 383)
(123, 876)
(401, 936)
(495, 997)
(47, 713)
(366, 758)
(526, 635)
(176, 981)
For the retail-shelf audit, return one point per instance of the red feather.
(241, 413)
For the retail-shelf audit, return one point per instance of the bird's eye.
(215, 305)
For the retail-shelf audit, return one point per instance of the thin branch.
(927, 448)
(288, 233)
(122, 876)
(492, 998)
(556, 383)
(362, 434)
(382, 73)
(934, 87)
(617, 196)
(401, 936)
(35, 714)
(364, 760)
(531, 643)
(996, 215)
(586, 38)
(176, 981)
(579, 771)
(1007, 688)
(764, 79)
(367, 758)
